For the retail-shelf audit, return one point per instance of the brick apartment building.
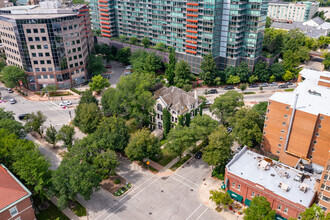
(297, 126)
(290, 191)
(49, 41)
(231, 30)
(15, 203)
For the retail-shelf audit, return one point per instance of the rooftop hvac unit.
(303, 187)
(283, 173)
(299, 177)
(264, 165)
(284, 187)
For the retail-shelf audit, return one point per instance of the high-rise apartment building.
(323, 199)
(50, 42)
(289, 12)
(231, 30)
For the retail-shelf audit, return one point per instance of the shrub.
(116, 181)
(219, 172)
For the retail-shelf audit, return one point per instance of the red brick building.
(15, 203)
(297, 125)
(290, 191)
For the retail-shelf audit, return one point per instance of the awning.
(224, 185)
(278, 217)
(235, 195)
(247, 202)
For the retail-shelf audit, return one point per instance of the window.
(279, 145)
(172, 119)
(176, 120)
(321, 117)
(73, 42)
(37, 38)
(42, 30)
(252, 195)
(44, 39)
(157, 116)
(319, 126)
(45, 76)
(265, 126)
(266, 118)
(32, 47)
(43, 69)
(234, 184)
(45, 46)
(161, 117)
(47, 54)
(49, 62)
(286, 210)
(19, 218)
(81, 62)
(238, 186)
(269, 103)
(30, 38)
(315, 142)
(34, 54)
(80, 55)
(38, 70)
(13, 211)
(40, 54)
(281, 138)
(264, 132)
(311, 157)
(35, 31)
(78, 41)
(74, 50)
(42, 62)
(75, 57)
(35, 62)
(285, 116)
(279, 207)
(287, 107)
(50, 69)
(70, 58)
(267, 110)
(277, 152)
(327, 199)
(65, 28)
(317, 134)
(258, 194)
(282, 131)
(28, 31)
(283, 123)
(39, 47)
(51, 76)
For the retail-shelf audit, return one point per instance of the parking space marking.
(193, 212)
(132, 197)
(202, 213)
(135, 188)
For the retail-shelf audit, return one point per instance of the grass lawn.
(165, 158)
(249, 93)
(288, 90)
(52, 212)
(180, 162)
(79, 210)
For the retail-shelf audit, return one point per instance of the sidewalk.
(68, 212)
(204, 195)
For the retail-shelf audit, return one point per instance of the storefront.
(247, 202)
(235, 196)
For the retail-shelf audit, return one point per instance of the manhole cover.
(191, 190)
(161, 190)
(150, 213)
(164, 178)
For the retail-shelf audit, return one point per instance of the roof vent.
(283, 186)
(314, 92)
(263, 165)
(303, 187)
(299, 177)
(272, 174)
(283, 173)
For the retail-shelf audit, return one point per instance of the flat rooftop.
(275, 176)
(12, 190)
(308, 101)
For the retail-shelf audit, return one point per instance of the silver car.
(12, 101)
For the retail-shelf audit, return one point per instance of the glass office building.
(231, 30)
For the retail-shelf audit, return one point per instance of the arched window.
(160, 125)
(159, 107)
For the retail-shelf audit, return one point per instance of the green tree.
(181, 120)
(145, 62)
(160, 46)
(166, 121)
(243, 87)
(288, 76)
(243, 72)
(226, 105)
(112, 103)
(133, 40)
(95, 65)
(202, 126)
(35, 122)
(314, 213)
(123, 55)
(271, 79)
(247, 126)
(98, 83)
(87, 97)
(170, 67)
(233, 79)
(146, 42)
(106, 163)
(50, 136)
(13, 127)
(12, 75)
(187, 119)
(6, 114)
(179, 139)
(50, 89)
(261, 108)
(221, 198)
(2, 64)
(73, 177)
(276, 70)
(259, 209)
(182, 74)
(218, 151)
(326, 61)
(142, 145)
(122, 38)
(66, 134)
(209, 69)
(88, 117)
(261, 71)
(268, 22)
(253, 79)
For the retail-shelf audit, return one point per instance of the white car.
(65, 103)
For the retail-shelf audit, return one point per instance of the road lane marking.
(202, 214)
(194, 211)
(182, 182)
(135, 188)
(185, 179)
(132, 197)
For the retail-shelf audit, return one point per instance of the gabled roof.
(176, 98)
(11, 189)
(318, 20)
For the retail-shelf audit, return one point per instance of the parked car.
(229, 87)
(108, 66)
(129, 67)
(212, 91)
(9, 90)
(65, 103)
(12, 101)
(264, 85)
(207, 104)
(198, 155)
(238, 149)
(273, 84)
(289, 83)
(282, 86)
(22, 116)
(253, 86)
(127, 72)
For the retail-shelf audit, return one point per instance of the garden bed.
(249, 93)
(288, 90)
(180, 162)
(165, 158)
(78, 209)
(47, 210)
(116, 185)
(60, 94)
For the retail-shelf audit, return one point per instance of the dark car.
(289, 83)
(264, 85)
(283, 86)
(212, 91)
(9, 90)
(253, 86)
(198, 155)
(229, 87)
(22, 116)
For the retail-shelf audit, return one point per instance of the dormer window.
(159, 107)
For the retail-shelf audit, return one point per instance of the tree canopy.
(259, 209)
(88, 117)
(95, 65)
(209, 69)
(12, 75)
(182, 74)
(98, 83)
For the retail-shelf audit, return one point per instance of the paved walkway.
(211, 183)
